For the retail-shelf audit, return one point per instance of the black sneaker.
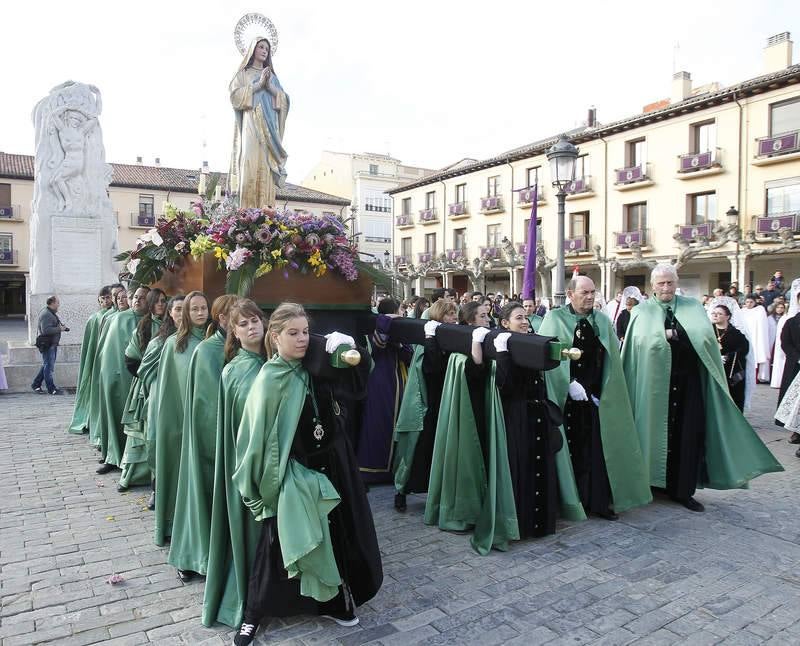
(400, 502)
(57, 391)
(246, 634)
(38, 390)
(346, 618)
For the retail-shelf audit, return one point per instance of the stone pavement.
(660, 575)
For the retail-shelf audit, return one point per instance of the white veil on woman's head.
(793, 307)
(631, 292)
(737, 321)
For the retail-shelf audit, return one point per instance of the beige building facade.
(137, 193)
(364, 179)
(708, 179)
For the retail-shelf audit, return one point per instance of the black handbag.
(735, 377)
(43, 342)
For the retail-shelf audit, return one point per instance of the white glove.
(335, 339)
(577, 392)
(501, 341)
(430, 329)
(479, 334)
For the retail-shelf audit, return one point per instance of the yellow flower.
(263, 268)
(276, 253)
(314, 259)
(320, 270)
(219, 252)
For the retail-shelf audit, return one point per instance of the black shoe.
(346, 618)
(151, 503)
(38, 390)
(400, 502)
(608, 514)
(101, 460)
(122, 488)
(794, 438)
(186, 575)
(57, 391)
(105, 468)
(691, 504)
(245, 635)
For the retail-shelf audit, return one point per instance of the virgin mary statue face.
(261, 53)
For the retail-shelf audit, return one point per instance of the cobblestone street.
(660, 575)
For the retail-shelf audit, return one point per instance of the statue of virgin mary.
(258, 159)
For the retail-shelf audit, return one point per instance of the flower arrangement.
(247, 243)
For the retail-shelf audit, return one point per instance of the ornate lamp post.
(562, 156)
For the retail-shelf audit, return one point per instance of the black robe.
(533, 439)
(270, 592)
(434, 365)
(622, 323)
(790, 344)
(733, 346)
(685, 417)
(582, 422)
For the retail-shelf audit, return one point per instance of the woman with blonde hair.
(234, 530)
(173, 374)
(188, 550)
(296, 472)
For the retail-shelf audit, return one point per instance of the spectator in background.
(420, 306)
(733, 292)
(718, 292)
(769, 294)
(777, 278)
(477, 297)
(49, 335)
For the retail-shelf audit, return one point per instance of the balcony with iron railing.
(490, 252)
(142, 220)
(770, 226)
(11, 212)
(404, 221)
(623, 240)
(458, 210)
(9, 257)
(632, 177)
(577, 245)
(695, 232)
(401, 261)
(525, 197)
(492, 204)
(426, 256)
(708, 162)
(580, 187)
(428, 216)
(779, 148)
(454, 255)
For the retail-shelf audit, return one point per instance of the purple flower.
(264, 235)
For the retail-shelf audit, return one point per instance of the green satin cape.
(173, 373)
(458, 476)
(135, 467)
(91, 335)
(497, 523)
(273, 484)
(234, 530)
(630, 486)
(410, 419)
(535, 321)
(192, 526)
(734, 454)
(115, 382)
(94, 378)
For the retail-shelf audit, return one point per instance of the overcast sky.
(428, 81)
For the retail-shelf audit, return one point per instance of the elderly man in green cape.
(91, 335)
(690, 430)
(603, 457)
(115, 381)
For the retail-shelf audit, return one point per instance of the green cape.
(535, 321)
(497, 523)
(734, 454)
(630, 486)
(91, 335)
(135, 467)
(272, 484)
(234, 531)
(147, 406)
(114, 384)
(192, 527)
(170, 392)
(458, 476)
(94, 377)
(410, 419)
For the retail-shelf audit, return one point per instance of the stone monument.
(73, 233)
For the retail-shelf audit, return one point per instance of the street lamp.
(562, 156)
(733, 216)
(386, 255)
